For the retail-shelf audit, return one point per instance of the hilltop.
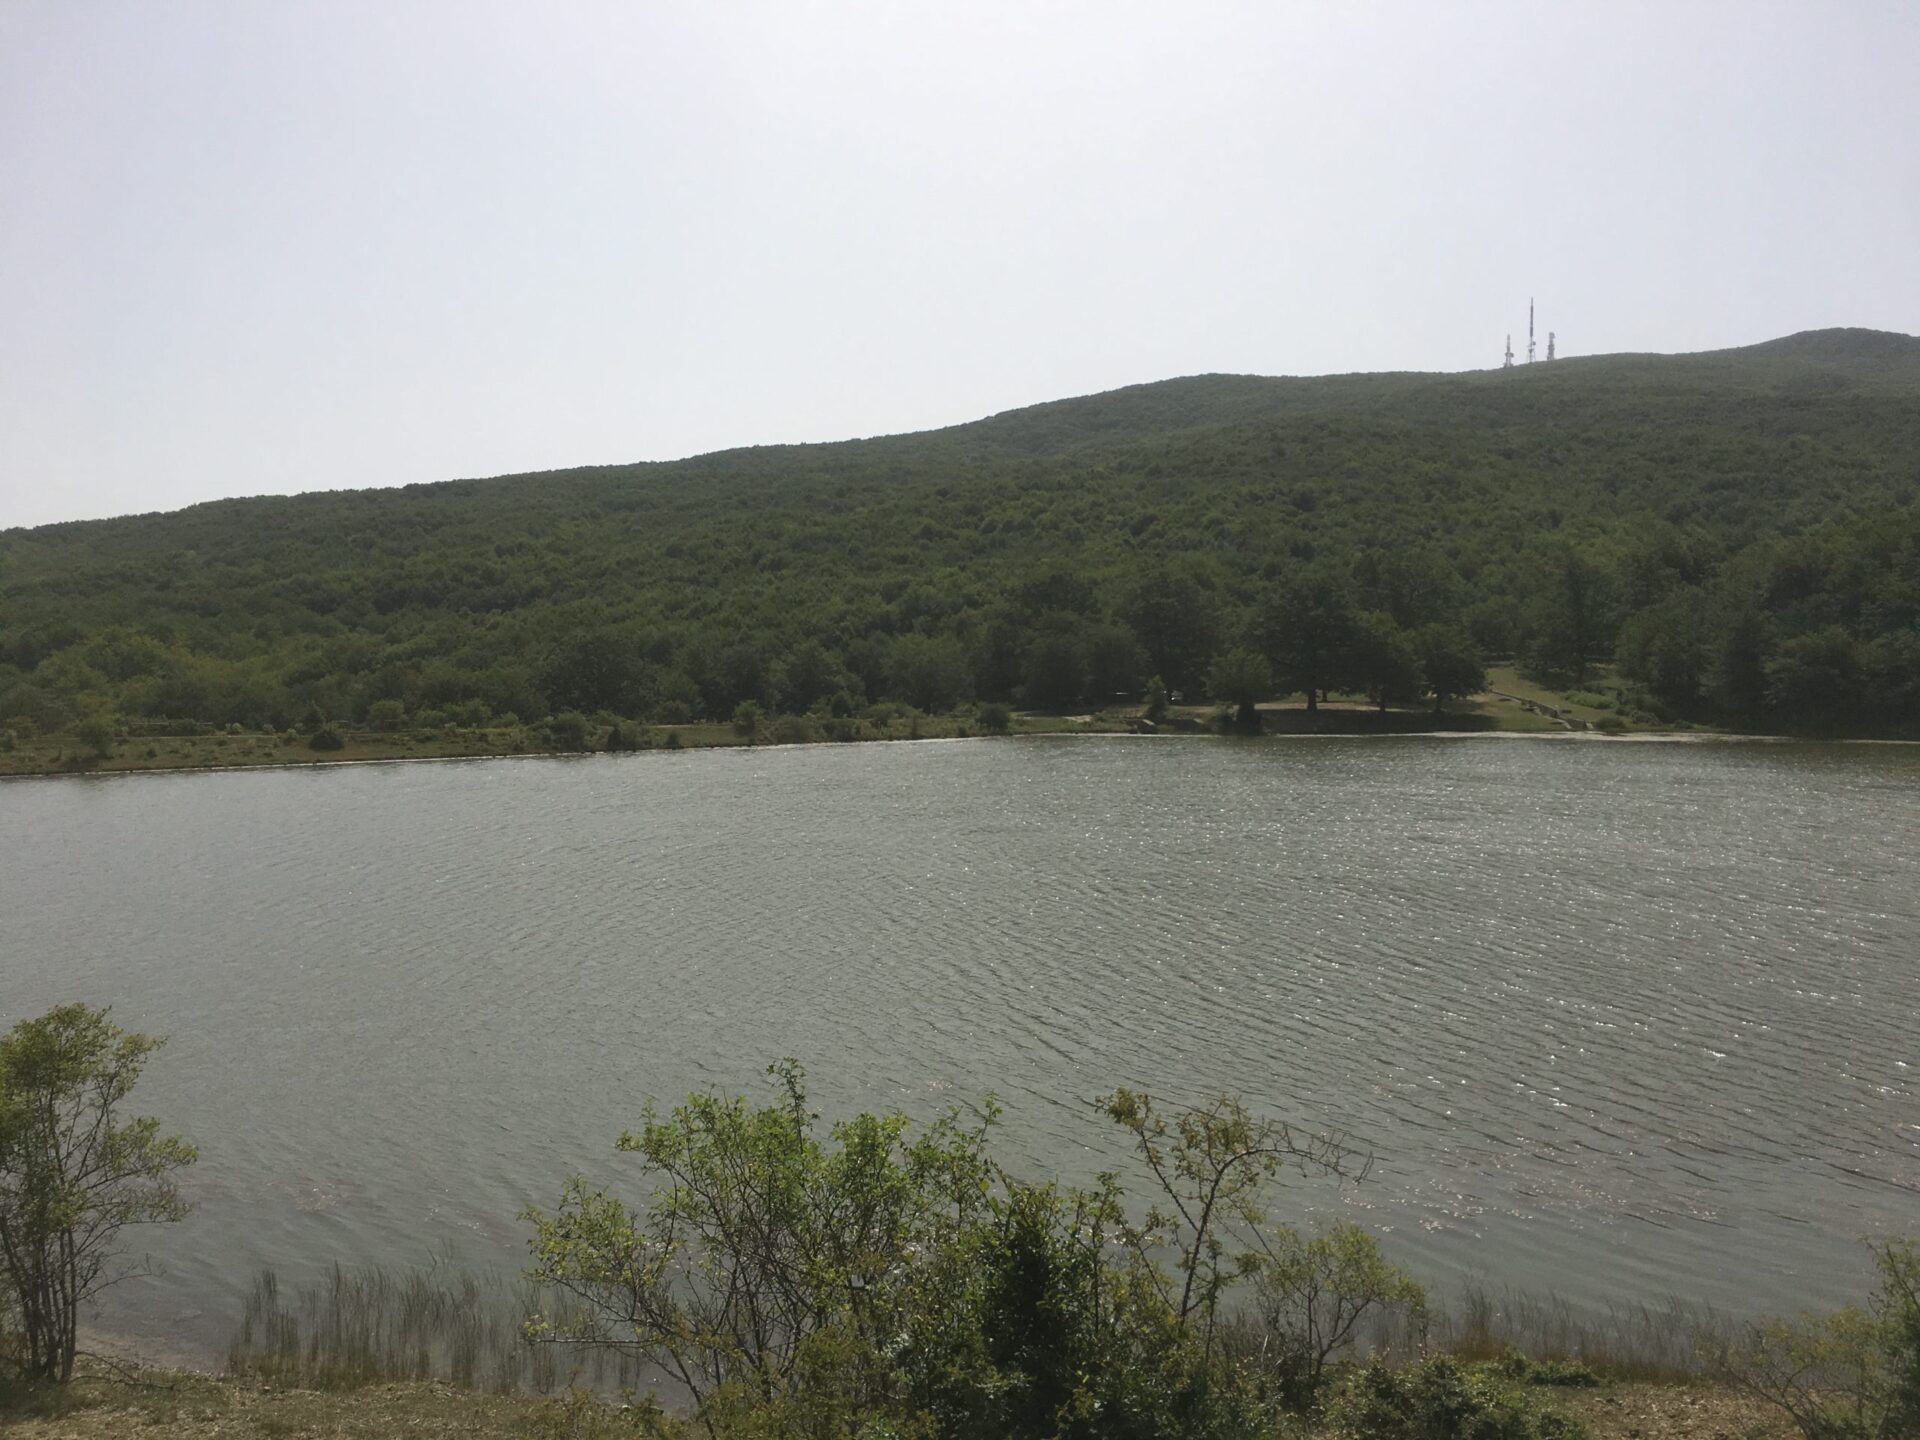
(1737, 529)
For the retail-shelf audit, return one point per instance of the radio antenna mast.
(1549, 344)
(1508, 364)
(1529, 330)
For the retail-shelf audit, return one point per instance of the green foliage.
(1314, 1292)
(995, 718)
(874, 1280)
(1242, 678)
(74, 1171)
(568, 730)
(1738, 531)
(96, 732)
(1850, 1375)
(578, 1414)
(326, 738)
(1560, 1374)
(387, 715)
(1442, 1399)
(773, 1269)
(1448, 664)
(1211, 1165)
(1157, 700)
(1308, 627)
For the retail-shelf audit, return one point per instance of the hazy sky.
(275, 246)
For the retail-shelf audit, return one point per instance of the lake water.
(1618, 1020)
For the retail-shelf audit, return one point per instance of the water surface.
(1618, 1020)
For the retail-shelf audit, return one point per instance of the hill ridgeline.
(1735, 533)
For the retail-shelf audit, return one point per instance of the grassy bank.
(67, 755)
(1511, 704)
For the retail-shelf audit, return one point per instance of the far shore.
(1490, 715)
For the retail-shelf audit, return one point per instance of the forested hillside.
(1738, 531)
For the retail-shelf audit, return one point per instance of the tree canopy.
(1736, 531)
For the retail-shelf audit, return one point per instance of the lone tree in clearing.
(72, 1173)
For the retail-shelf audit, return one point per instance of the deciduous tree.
(74, 1172)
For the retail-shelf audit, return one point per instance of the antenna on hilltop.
(1508, 365)
(1529, 330)
(1549, 344)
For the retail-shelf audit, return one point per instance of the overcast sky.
(250, 247)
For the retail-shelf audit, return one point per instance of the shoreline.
(1641, 737)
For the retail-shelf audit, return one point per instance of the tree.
(1307, 630)
(1242, 679)
(568, 730)
(596, 670)
(387, 715)
(1177, 620)
(928, 672)
(772, 1263)
(1383, 663)
(1313, 1292)
(995, 718)
(1664, 648)
(96, 732)
(1115, 663)
(1056, 666)
(1852, 1373)
(879, 1278)
(1572, 624)
(73, 1172)
(1815, 677)
(1449, 663)
(1211, 1163)
(1157, 700)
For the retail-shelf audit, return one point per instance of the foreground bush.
(875, 1281)
(1851, 1375)
(1442, 1399)
(75, 1169)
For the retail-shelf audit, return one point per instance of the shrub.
(1562, 1374)
(881, 1280)
(794, 730)
(1441, 1399)
(748, 718)
(1854, 1373)
(326, 738)
(996, 718)
(74, 1169)
(96, 732)
(1156, 700)
(1313, 1292)
(568, 730)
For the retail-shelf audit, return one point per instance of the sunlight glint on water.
(1618, 1019)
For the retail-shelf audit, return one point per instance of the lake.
(1618, 1020)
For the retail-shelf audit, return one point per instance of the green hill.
(1737, 529)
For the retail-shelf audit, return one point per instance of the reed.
(1667, 1343)
(376, 1325)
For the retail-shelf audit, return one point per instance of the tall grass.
(433, 1322)
(1669, 1343)
(426, 1322)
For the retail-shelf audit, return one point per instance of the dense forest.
(1735, 533)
